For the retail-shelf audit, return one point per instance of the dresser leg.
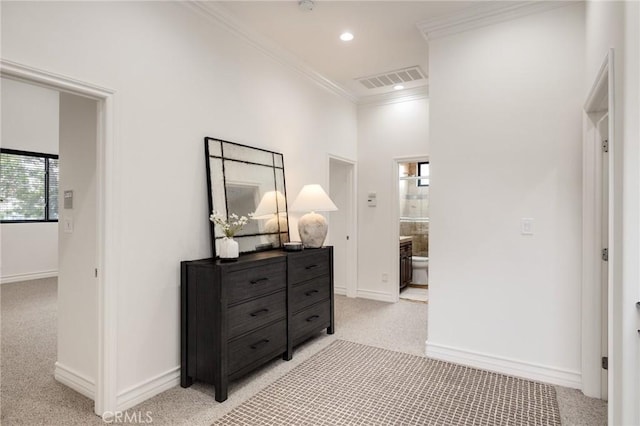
(186, 381)
(288, 355)
(221, 387)
(221, 394)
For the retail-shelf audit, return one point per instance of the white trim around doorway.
(600, 102)
(107, 219)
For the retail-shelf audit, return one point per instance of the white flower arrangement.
(231, 225)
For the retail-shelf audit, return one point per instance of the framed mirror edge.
(283, 235)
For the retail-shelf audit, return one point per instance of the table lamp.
(312, 226)
(273, 206)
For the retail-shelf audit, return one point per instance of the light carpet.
(353, 384)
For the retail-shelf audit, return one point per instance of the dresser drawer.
(309, 264)
(314, 318)
(252, 282)
(255, 313)
(268, 340)
(310, 292)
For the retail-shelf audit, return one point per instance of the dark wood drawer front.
(250, 315)
(316, 317)
(252, 347)
(248, 283)
(310, 292)
(308, 265)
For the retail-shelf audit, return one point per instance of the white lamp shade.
(312, 198)
(273, 202)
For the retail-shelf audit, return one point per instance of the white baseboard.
(377, 295)
(76, 381)
(27, 277)
(512, 367)
(147, 389)
(342, 291)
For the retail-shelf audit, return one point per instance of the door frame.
(351, 215)
(395, 218)
(106, 222)
(600, 102)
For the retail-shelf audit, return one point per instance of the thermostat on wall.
(372, 199)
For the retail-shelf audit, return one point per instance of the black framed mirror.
(241, 180)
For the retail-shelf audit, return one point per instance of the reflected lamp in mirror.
(273, 209)
(313, 226)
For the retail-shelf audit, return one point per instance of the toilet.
(420, 270)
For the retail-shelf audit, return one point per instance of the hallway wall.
(506, 133)
(178, 77)
(385, 132)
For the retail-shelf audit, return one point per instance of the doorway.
(102, 385)
(598, 357)
(342, 233)
(413, 228)
(603, 137)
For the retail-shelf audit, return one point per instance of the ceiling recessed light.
(398, 87)
(346, 36)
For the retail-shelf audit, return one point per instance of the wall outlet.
(385, 278)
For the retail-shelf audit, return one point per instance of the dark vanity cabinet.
(406, 268)
(237, 316)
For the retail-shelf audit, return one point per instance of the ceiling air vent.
(392, 78)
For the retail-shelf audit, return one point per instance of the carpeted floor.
(352, 384)
(29, 395)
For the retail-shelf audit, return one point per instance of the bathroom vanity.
(406, 267)
(237, 316)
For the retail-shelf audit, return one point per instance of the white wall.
(77, 291)
(178, 77)
(385, 132)
(617, 25)
(29, 123)
(506, 129)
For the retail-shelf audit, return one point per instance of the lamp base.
(279, 225)
(312, 228)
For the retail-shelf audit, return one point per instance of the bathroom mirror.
(242, 180)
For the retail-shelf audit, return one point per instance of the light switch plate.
(526, 226)
(68, 224)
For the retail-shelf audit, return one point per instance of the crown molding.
(483, 15)
(222, 17)
(406, 95)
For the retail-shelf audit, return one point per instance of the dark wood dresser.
(237, 316)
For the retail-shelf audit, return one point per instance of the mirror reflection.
(243, 180)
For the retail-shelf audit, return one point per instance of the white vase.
(229, 249)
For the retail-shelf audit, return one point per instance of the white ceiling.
(386, 36)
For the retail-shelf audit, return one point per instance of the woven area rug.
(352, 384)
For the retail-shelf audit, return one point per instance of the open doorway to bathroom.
(413, 191)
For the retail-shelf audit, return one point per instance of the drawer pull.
(311, 292)
(311, 266)
(313, 318)
(260, 312)
(259, 280)
(259, 344)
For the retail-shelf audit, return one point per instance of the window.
(28, 186)
(423, 172)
